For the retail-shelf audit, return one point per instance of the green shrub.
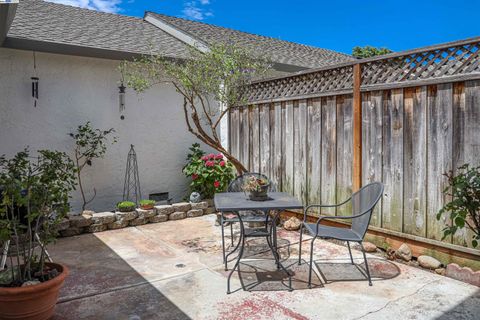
(147, 202)
(464, 209)
(209, 173)
(126, 206)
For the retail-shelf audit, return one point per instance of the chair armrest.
(305, 211)
(337, 217)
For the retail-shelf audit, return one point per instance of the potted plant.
(126, 206)
(147, 204)
(34, 200)
(257, 187)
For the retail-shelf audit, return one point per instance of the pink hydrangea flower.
(211, 156)
(219, 156)
(216, 184)
(204, 158)
(209, 163)
(194, 176)
(222, 163)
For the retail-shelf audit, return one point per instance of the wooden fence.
(418, 116)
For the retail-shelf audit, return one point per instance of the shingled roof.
(46, 26)
(57, 24)
(279, 50)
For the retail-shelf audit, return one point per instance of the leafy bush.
(464, 209)
(126, 206)
(35, 194)
(209, 173)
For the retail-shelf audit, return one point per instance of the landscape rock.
(210, 210)
(88, 212)
(122, 223)
(464, 274)
(199, 205)
(177, 215)
(158, 218)
(64, 224)
(194, 213)
(440, 271)
(428, 262)
(142, 213)
(164, 209)
(70, 232)
(96, 227)
(292, 224)
(125, 216)
(103, 217)
(80, 221)
(404, 252)
(137, 222)
(369, 247)
(182, 206)
(390, 254)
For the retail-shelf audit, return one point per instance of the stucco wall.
(74, 90)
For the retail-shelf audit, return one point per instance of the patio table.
(235, 202)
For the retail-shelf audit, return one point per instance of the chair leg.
(300, 246)
(366, 265)
(223, 242)
(350, 251)
(311, 265)
(231, 233)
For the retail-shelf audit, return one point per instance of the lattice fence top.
(453, 61)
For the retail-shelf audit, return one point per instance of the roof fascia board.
(177, 33)
(7, 13)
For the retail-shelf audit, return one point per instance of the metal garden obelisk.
(131, 187)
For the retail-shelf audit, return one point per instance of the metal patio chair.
(362, 204)
(247, 216)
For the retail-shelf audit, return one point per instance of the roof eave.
(7, 13)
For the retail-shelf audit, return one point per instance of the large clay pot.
(32, 302)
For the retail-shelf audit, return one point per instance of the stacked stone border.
(91, 222)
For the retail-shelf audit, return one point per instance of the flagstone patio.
(173, 270)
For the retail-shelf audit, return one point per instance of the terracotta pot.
(32, 302)
(147, 206)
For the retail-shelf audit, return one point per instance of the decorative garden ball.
(195, 197)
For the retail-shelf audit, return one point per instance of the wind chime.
(35, 80)
(131, 187)
(121, 98)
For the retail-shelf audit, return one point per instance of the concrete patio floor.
(174, 270)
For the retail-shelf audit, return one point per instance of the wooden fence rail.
(408, 135)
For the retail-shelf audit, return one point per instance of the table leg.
(240, 254)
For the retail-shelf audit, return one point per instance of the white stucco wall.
(73, 90)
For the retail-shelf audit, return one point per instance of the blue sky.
(337, 25)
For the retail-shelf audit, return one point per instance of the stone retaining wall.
(90, 221)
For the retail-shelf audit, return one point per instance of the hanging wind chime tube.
(121, 100)
(131, 187)
(35, 81)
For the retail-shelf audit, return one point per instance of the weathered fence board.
(344, 152)
(300, 150)
(415, 161)
(254, 115)
(244, 142)
(234, 134)
(372, 115)
(314, 163)
(439, 154)
(276, 148)
(265, 140)
(289, 156)
(392, 164)
(329, 153)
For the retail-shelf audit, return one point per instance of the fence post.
(357, 128)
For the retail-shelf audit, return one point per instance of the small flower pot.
(36, 302)
(146, 206)
(259, 195)
(126, 209)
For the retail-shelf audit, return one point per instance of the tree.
(89, 144)
(368, 51)
(220, 74)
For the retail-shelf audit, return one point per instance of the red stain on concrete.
(257, 307)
